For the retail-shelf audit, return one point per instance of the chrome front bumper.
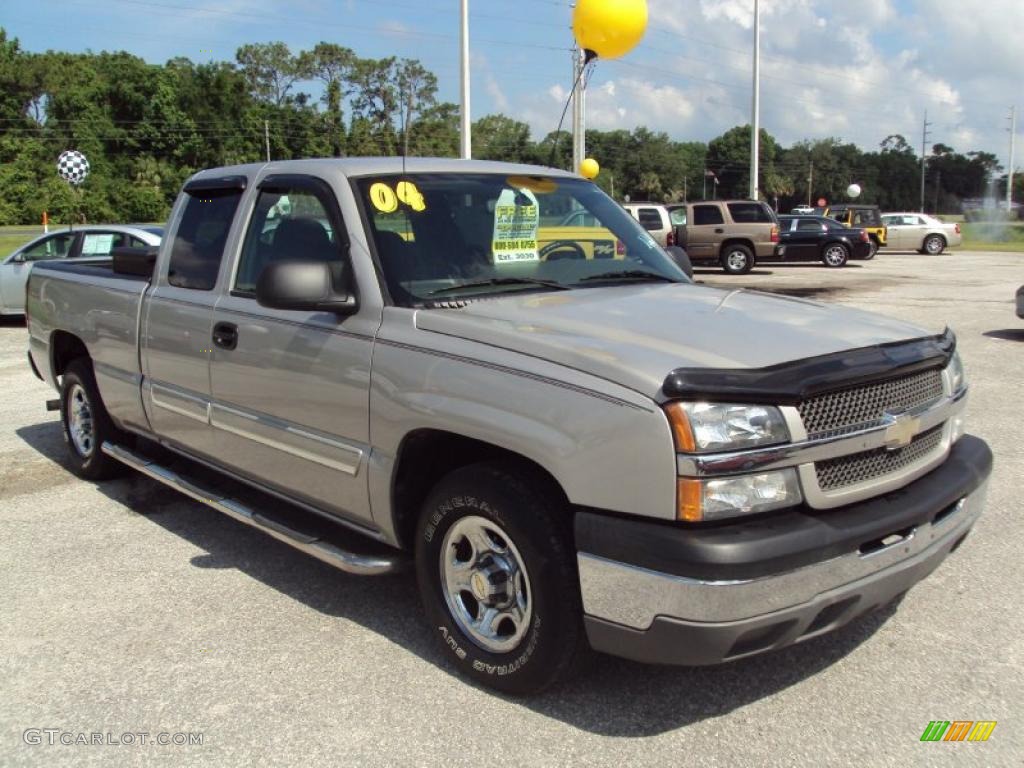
(663, 618)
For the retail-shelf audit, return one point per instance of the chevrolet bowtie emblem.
(901, 430)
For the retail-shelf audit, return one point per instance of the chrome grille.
(848, 410)
(868, 465)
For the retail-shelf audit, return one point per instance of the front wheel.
(872, 250)
(86, 423)
(835, 255)
(497, 575)
(737, 260)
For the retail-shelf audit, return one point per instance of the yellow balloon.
(589, 168)
(609, 28)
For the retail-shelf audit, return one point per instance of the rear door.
(804, 240)
(899, 231)
(704, 231)
(177, 326)
(291, 388)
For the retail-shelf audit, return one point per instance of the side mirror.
(682, 260)
(313, 286)
(18, 259)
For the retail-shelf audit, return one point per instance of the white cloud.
(855, 71)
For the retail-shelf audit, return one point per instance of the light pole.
(579, 114)
(466, 141)
(755, 134)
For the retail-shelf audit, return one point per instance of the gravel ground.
(128, 608)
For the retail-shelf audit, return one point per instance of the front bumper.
(672, 595)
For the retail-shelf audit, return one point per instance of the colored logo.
(958, 730)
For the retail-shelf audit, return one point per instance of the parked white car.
(88, 241)
(920, 232)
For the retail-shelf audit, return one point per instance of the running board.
(311, 543)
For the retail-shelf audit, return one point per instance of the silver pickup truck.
(384, 363)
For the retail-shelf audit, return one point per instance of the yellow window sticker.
(383, 198)
(386, 200)
(516, 219)
(410, 195)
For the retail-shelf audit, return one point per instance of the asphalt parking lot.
(128, 608)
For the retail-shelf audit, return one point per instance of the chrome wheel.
(80, 426)
(934, 245)
(835, 256)
(485, 584)
(736, 261)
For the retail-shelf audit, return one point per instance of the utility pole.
(704, 183)
(579, 117)
(465, 138)
(755, 134)
(810, 182)
(924, 156)
(266, 137)
(1009, 168)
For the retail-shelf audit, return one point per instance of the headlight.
(957, 379)
(706, 427)
(724, 497)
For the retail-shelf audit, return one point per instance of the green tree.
(498, 137)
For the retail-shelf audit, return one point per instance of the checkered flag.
(72, 166)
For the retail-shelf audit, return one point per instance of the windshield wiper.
(630, 274)
(501, 281)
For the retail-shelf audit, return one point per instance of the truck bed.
(87, 299)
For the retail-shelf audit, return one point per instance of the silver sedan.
(920, 232)
(83, 242)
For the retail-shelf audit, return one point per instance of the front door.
(291, 388)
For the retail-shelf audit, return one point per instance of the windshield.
(443, 237)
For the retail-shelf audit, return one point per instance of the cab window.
(288, 224)
(200, 238)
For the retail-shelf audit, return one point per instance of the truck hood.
(636, 335)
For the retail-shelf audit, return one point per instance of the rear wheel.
(737, 259)
(834, 255)
(497, 575)
(86, 423)
(934, 245)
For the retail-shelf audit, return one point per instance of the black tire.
(872, 250)
(933, 245)
(834, 255)
(78, 391)
(737, 259)
(528, 514)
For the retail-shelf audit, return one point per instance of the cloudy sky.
(856, 70)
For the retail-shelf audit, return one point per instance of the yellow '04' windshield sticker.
(386, 199)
